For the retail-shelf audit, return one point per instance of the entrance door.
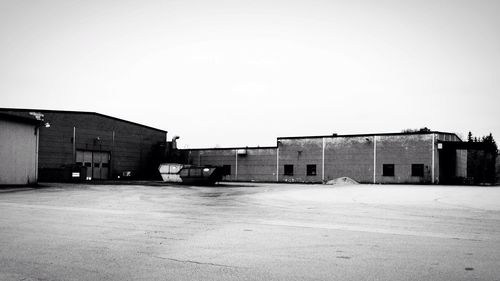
(100, 165)
(447, 165)
(96, 163)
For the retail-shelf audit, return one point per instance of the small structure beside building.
(18, 149)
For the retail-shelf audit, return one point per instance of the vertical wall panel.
(17, 153)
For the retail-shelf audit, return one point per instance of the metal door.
(87, 162)
(84, 159)
(96, 163)
(100, 165)
(105, 156)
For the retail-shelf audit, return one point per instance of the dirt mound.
(342, 181)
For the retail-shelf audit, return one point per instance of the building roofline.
(324, 136)
(20, 119)
(232, 148)
(82, 112)
(368, 135)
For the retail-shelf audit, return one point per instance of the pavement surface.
(250, 232)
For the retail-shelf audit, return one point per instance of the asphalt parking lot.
(250, 232)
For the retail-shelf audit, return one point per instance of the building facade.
(418, 157)
(241, 163)
(18, 150)
(93, 146)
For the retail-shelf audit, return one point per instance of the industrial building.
(92, 146)
(18, 150)
(414, 157)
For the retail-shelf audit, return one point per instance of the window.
(388, 170)
(226, 170)
(311, 170)
(288, 170)
(417, 170)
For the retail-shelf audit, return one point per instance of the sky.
(241, 73)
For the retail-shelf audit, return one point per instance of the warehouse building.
(92, 146)
(415, 157)
(18, 149)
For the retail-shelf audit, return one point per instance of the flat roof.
(79, 112)
(369, 135)
(325, 136)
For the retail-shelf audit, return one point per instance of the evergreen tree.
(489, 139)
(469, 137)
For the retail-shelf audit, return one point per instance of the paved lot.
(250, 232)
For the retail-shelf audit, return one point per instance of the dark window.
(288, 170)
(311, 170)
(226, 170)
(88, 164)
(79, 163)
(105, 165)
(388, 170)
(417, 170)
(96, 165)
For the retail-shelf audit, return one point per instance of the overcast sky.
(241, 73)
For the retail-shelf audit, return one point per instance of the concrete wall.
(18, 157)
(300, 153)
(403, 151)
(354, 157)
(252, 164)
(360, 157)
(461, 164)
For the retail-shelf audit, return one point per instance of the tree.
(469, 137)
(489, 139)
(421, 130)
